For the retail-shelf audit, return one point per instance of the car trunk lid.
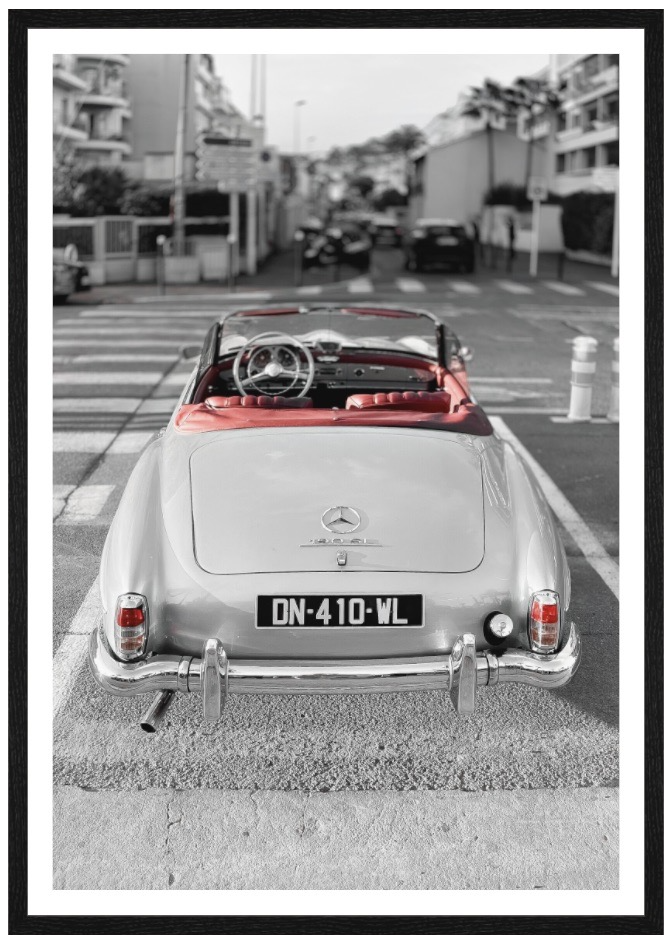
(292, 500)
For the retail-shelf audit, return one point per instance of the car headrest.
(259, 402)
(420, 401)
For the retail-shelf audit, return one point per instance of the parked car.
(328, 510)
(385, 231)
(443, 242)
(70, 275)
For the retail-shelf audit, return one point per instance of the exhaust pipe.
(154, 715)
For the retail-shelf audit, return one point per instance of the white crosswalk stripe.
(604, 286)
(113, 358)
(80, 442)
(128, 442)
(515, 288)
(360, 285)
(563, 288)
(410, 285)
(98, 442)
(464, 288)
(83, 505)
(88, 404)
(147, 332)
(310, 290)
(115, 344)
(142, 378)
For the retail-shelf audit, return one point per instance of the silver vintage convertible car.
(329, 510)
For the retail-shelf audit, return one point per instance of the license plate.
(447, 241)
(339, 612)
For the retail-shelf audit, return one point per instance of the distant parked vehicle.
(385, 231)
(439, 242)
(70, 275)
(344, 244)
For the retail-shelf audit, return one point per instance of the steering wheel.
(272, 358)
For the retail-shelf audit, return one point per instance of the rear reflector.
(130, 626)
(544, 621)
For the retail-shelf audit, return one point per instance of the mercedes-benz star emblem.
(341, 520)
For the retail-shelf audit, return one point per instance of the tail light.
(130, 626)
(544, 621)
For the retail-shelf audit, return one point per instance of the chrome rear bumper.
(461, 673)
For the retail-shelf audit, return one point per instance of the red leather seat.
(419, 401)
(259, 402)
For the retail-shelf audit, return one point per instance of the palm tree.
(534, 97)
(488, 101)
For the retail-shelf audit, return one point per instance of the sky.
(350, 98)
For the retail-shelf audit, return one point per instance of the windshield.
(340, 328)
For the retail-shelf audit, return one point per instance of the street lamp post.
(297, 125)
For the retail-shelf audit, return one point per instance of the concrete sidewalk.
(212, 839)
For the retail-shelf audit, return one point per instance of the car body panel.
(150, 549)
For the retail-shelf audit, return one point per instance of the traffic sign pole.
(535, 237)
(251, 231)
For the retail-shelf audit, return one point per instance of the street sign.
(537, 190)
(231, 163)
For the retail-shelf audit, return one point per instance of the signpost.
(537, 192)
(232, 163)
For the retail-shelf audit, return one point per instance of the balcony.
(110, 57)
(64, 76)
(109, 94)
(77, 130)
(106, 142)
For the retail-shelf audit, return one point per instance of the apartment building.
(92, 112)
(587, 142)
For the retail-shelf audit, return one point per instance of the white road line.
(199, 317)
(85, 503)
(72, 650)
(309, 290)
(78, 442)
(128, 442)
(590, 547)
(604, 286)
(563, 288)
(464, 288)
(165, 405)
(410, 284)
(113, 358)
(126, 378)
(521, 410)
(114, 344)
(89, 404)
(360, 285)
(515, 288)
(545, 380)
(228, 298)
(121, 330)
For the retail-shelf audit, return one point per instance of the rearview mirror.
(189, 351)
(466, 354)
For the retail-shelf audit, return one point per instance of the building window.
(611, 108)
(612, 60)
(591, 66)
(613, 154)
(591, 115)
(561, 121)
(561, 163)
(575, 119)
(589, 157)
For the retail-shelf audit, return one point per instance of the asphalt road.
(117, 376)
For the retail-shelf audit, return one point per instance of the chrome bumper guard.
(213, 675)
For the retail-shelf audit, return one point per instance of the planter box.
(182, 270)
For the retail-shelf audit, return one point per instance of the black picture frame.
(20, 22)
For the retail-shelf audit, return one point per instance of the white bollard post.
(614, 409)
(583, 368)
